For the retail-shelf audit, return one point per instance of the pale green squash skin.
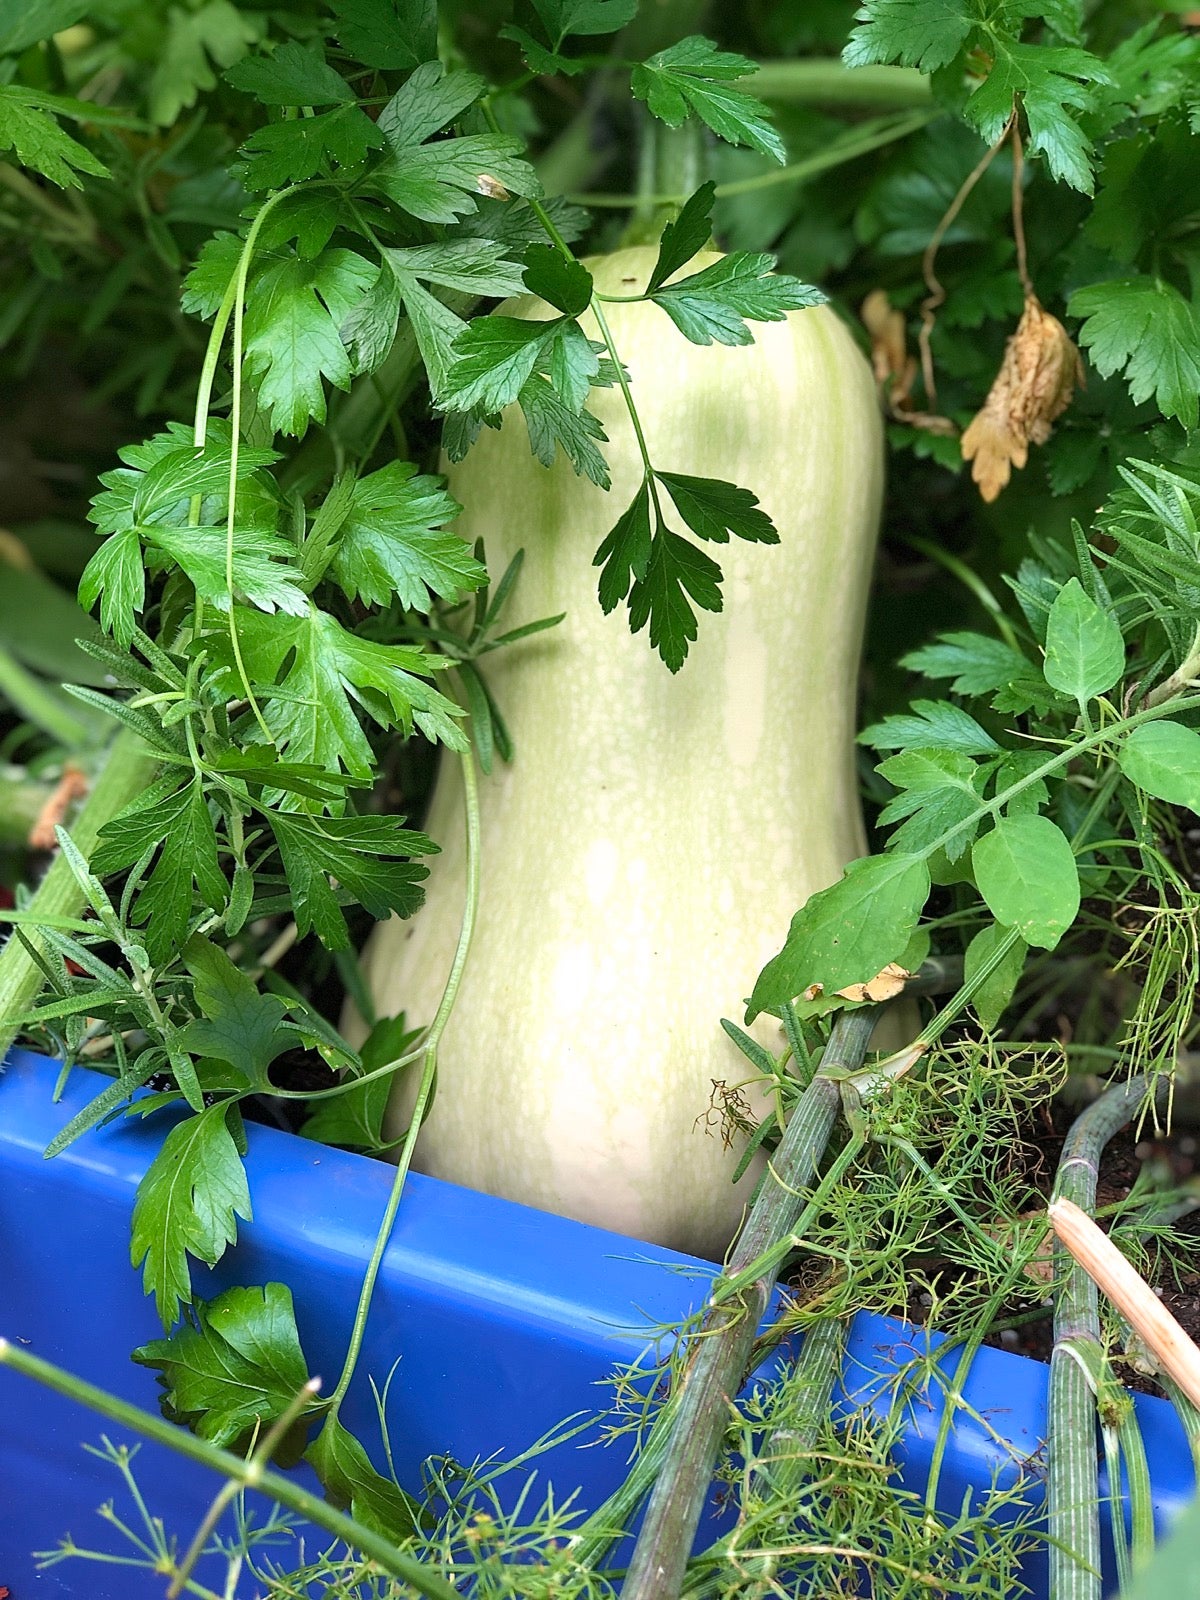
(645, 851)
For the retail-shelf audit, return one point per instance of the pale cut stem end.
(1130, 1293)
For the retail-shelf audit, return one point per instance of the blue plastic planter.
(503, 1320)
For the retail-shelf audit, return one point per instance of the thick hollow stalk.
(717, 1359)
(125, 774)
(1073, 1509)
(829, 83)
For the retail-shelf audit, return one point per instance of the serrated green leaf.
(352, 1483)
(261, 573)
(205, 285)
(566, 284)
(693, 77)
(294, 310)
(293, 75)
(354, 1118)
(940, 791)
(1144, 328)
(429, 99)
(1049, 83)
(847, 933)
(212, 34)
(713, 305)
(237, 1024)
(288, 152)
(1085, 649)
(1163, 758)
(713, 509)
(975, 662)
(677, 574)
(927, 34)
(329, 670)
(624, 554)
(931, 725)
(684, 237)
(1025, 870)
(552, 423)
(563, 18)
(388, 34)
(996, 991)
(116, 576)
(180, 825)
(29, 130)
(392, 544)
(187, 1204)
(236, 1368)
(472, 266)
(359, 852)
(494, 358)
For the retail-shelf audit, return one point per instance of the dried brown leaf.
(895, 370)
(72, 786)
(1039, 374)
(885, 985)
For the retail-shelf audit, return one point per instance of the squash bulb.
(644, 852)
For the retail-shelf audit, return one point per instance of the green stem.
(126, 773)
(717, 1355)
(428, 1077)
(249, 1474)
(38, 703)
(829, 83)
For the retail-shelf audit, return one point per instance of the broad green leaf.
(205, 285)
(238, 1025)
(187, 1205)
(552, 423)
(116, 576)
(693, 77)
(392, 546)
(975, 662)
(494, 358)
(1026, 873)
(996, 991)
(474, 266)
(236, 1368)
(288, 152)
(26, 22)
(847, 933)
(429, 99)
(677, 574)
(1049, 83)
(352, 1483)
(1163, 758)
(440, 182)
(563, 18)
(261, 573)
(1085, 651)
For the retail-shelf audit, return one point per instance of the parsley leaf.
(939, 789)
(213, 33)
(915, 33)
(235, 1368)
(713, 509)
(352, 1483)
(712, 304)
(561, 18)
(354, 1118)
(328, 671)
(29, 130)
(358, 852)
(287, 152)
(391, 543)
(685, 236)
(294, 309)
(693, 77)
(564, 282)
(293, 75)
(676, 574)
(495, 357)
(1051, 83)
(1145, 328)
(388, 34)
(931, 725)
(187, 1205)
(976, 662)
(238, 1025)
(176, 829)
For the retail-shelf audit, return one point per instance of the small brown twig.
(1018, 207)
(937, 292)
(72, 786)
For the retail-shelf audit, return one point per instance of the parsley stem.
(630, 406)
(428, 1076)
